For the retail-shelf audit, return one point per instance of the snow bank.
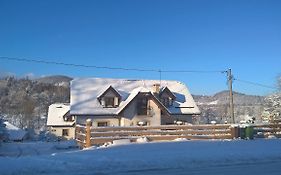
(66, 144)
(259, 157)
(21, 149)
(142, 140)
(180, 139)
(121, 142)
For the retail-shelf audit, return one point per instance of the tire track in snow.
(20, 151)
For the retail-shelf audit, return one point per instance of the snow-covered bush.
(3, 131)
(48, 136)
(272, 108)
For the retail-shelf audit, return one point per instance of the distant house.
(14, 133)
(120, 102)
(59, 121)
(2, 129)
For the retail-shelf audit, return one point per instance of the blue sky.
(244, 35)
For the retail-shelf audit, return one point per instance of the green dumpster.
(242, 132)
(249, 132)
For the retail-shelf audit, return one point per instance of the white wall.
(58, 132)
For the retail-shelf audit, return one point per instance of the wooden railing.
(101, 135)
(265, 130)
(87, 136)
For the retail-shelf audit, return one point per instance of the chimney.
(156, 88)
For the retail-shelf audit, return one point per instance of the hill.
(216, 107)
(59, 80)
(24, 102)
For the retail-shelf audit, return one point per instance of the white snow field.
(182, 157)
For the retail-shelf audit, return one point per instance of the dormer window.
(167, 97)
(110, 98)
(109, 101)
(166, 101)
(68, 118)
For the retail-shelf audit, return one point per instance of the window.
(142, 106)
(102, 124)
(68, 118)
(65, 132)
(110, 98)
(166, 101)
(142, 123)
(167, 97)
(109, 101)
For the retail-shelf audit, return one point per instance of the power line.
(193, 71)
(255, 84)
(130, 69)
(77, 65)
(106, 67)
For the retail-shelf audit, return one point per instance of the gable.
(166, 92)
(109, 92)
(149, 96)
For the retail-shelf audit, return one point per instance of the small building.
(121, 102)
(14, 133)
(60, 122)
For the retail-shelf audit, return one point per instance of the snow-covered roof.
(84, 93)
(14, 132)
(56, 113)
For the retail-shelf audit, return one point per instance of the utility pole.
(231, 106)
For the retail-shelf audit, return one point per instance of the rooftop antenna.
(160, 76)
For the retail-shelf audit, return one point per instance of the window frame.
(101, 124)
(142, 106)
(167, 101)
(65, 132)
(108, 101)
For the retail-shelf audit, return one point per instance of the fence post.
(88, 133)
(234, 129)
(77, 131)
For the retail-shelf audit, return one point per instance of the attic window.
(110, 98)
(110, 102)
(167, 97)
(68, 118)
(166, 101)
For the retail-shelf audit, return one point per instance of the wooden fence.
(88, 136)
(265, 130)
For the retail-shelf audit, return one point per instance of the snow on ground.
(213, 102)
(18, 149)
(181, 157)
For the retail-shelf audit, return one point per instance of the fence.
(88, 136)
(265, 130)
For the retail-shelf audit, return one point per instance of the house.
(121, 102)
(2, 130)
(14, 133)
(59, 121)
